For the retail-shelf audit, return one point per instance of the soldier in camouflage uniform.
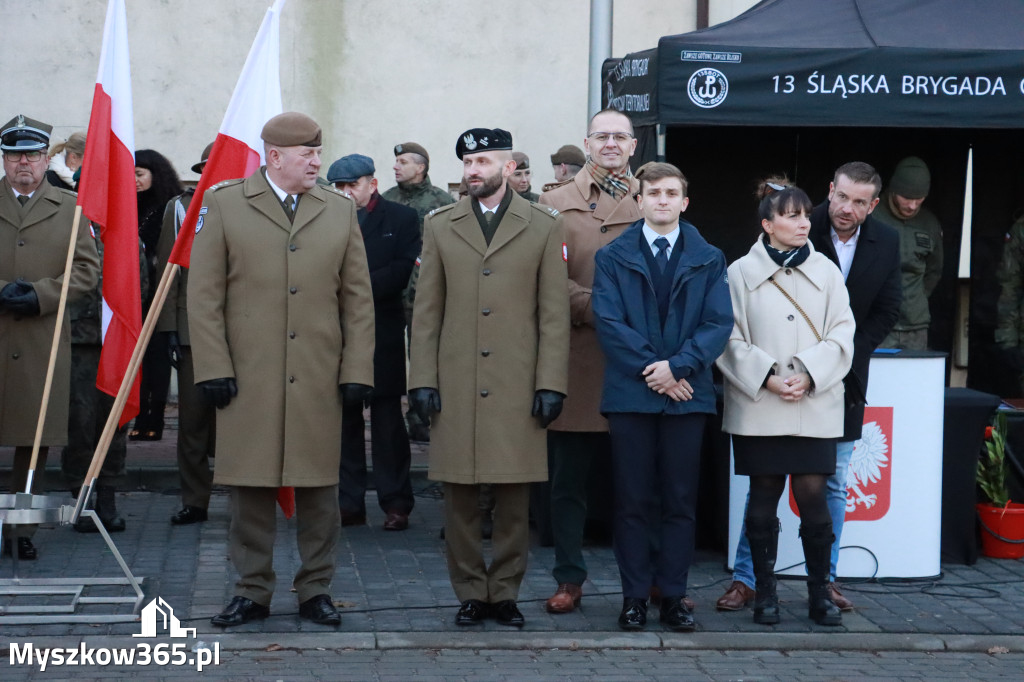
(1010, 325)
(89, 407)
(920, 250)
(415, 191)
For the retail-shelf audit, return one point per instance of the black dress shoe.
(507, 613)
(188, 515)
(320, 609)
(26, 551)
(239, 611)
(472, 612)
(634, 614)
(676, 615)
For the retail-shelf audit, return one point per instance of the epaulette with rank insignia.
(335, 190)
(550, 210)
(225, 183)
(441, 209)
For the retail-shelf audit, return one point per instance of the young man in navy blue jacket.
(663, 315)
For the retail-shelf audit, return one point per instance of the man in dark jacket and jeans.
(663, 314)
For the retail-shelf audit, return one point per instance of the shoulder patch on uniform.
(69, 192)
(225, 183)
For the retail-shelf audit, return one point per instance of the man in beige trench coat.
(281, 316)
(35, 232)
(490, 350)
(596, 207)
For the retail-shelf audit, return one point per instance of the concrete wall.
(372, 73)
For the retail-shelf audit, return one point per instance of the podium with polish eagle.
(894, 486)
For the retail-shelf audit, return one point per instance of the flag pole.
(54, 347)
(100, 455)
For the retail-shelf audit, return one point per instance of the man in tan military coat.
(596, 206)
(490, 346)
(281, 316)
(35, 233)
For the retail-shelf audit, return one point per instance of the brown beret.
(570, 154)
(411, 148)
(291, 129)
(521, 159)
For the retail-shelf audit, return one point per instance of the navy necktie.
(661, 258)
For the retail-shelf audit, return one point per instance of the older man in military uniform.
(196, 416)
(490, 347)
(281, 319)
(597, 206)
(35, 235)
(920, 250)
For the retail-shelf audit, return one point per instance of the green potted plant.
(1002, 521)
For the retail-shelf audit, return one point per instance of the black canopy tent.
(801, 86)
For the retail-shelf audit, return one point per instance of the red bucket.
(1006, 522)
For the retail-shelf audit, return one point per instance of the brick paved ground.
(398, 606)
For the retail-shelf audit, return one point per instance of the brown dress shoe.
(396, 521)
(566, 598)
(735, 598)
(838, 599)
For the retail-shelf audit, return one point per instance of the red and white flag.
(238, 149)
(106, 193)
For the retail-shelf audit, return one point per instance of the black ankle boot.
(105, 506)
(817, 541)
(763, 536)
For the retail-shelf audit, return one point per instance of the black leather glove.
(10, 290)
(219, 391)
(24, 301)
(424, 402)
(355, 394)
(1014, 359)
(173, 348)
(547, 405)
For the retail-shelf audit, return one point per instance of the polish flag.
(238, 149)
(106, 193)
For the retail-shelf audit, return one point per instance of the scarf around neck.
(616, 184)
(786, 259)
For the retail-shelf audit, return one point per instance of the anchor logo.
(707, 88)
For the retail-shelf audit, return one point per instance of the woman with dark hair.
(156, 183)
(790, 348)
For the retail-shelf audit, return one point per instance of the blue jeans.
(743, 567)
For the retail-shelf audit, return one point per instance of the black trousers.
(656, 467)
(391, 456)
(154, 384)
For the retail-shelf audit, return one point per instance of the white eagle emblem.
(870, 456)
(469, 141)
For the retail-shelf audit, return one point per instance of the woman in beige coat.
(790, 348)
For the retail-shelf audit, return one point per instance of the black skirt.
(774, 455)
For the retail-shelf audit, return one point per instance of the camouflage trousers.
(87, 415)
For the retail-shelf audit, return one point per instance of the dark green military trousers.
(252, 533)
(468, 571)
